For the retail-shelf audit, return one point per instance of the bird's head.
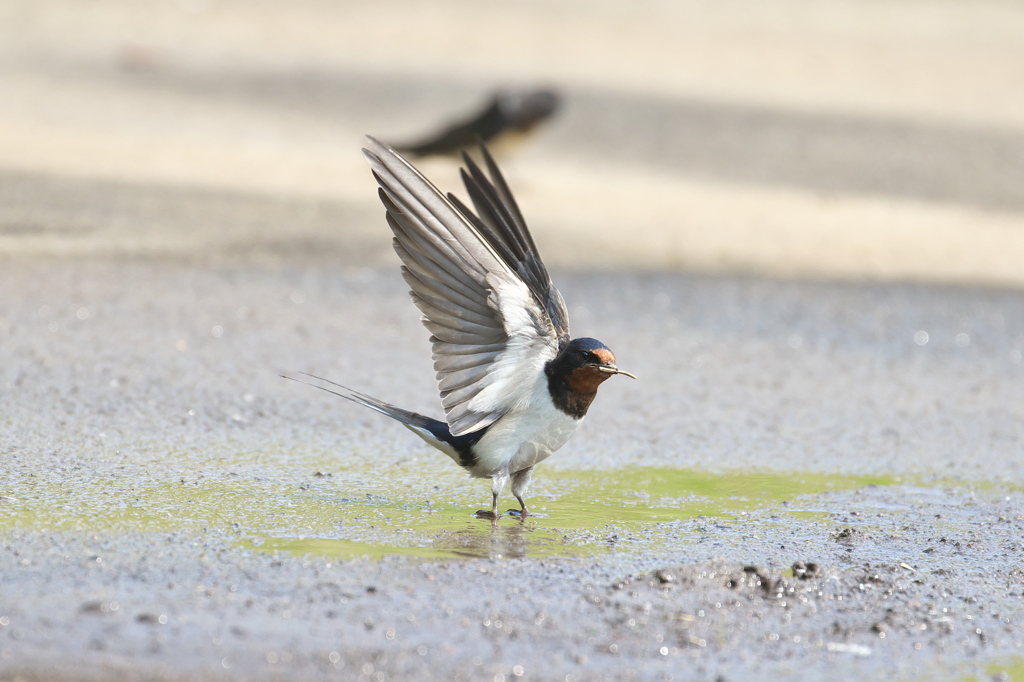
(525, 109)
(587, 363)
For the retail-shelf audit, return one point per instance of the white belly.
(524, 437)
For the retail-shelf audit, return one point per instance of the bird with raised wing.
(514, 386)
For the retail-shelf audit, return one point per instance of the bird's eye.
(584, 355)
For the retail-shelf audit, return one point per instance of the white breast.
(525, 435)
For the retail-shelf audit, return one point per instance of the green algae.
(655, 495)
(354, 512)
(1010, 669)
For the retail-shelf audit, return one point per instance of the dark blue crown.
(585, 343)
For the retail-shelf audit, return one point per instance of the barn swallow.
(514, 386)
(509, 114)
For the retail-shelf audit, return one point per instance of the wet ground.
(807, 479)
(804, 242)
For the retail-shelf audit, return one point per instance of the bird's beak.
(612, 369)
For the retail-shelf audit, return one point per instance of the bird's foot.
(518, 513)
(486, 514)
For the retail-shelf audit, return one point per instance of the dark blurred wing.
(508, 111)
(491, 337)
(462, 135)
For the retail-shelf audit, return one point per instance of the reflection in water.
(495, 539)
(503, 538)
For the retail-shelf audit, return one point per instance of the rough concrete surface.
(117, 390)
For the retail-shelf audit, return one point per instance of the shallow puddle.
(355, 512)
(1010, 669)
(565, 503)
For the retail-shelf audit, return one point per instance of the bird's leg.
(493, 514)
(522, 512)
(520, 484)
(497, 483)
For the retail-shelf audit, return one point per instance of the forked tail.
(433, 431)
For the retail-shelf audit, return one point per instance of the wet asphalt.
(127, 381)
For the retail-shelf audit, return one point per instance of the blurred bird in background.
(509, 116)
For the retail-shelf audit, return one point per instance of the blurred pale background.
(823, 138)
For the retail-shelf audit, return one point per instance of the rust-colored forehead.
(605, 355)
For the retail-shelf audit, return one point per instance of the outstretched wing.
(492, 331)
(499, 220)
